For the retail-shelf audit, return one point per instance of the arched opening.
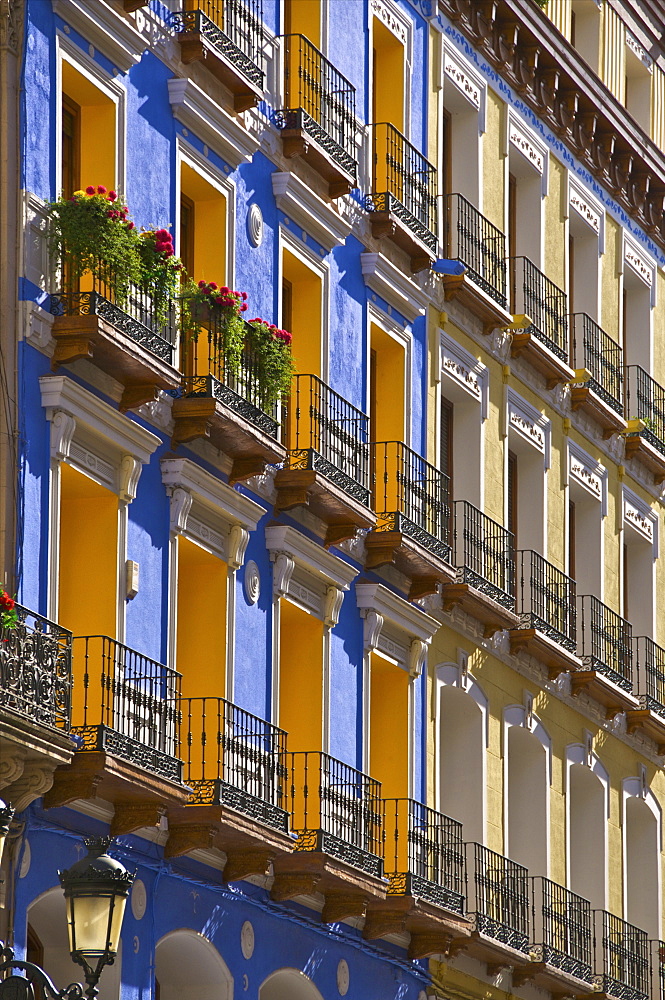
(289, 984)
(188, 965)
(461, 753)
(48, 940)
(587, 836)
(527, 796)
(642, 853)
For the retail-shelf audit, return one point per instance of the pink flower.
(90, 189)
(213, 286)
(220, 300)
(244, 296)
(202, 284)
(112, 196)
(256, 320)
(130, 225)
(225, 290)
(101, 189)
(243, 307)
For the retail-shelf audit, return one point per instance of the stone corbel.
(237, 545)
(372, 625)
(282, 572)
(332, 605)
(181, 504)
(63, 426)
(417, 654)
(128, 478)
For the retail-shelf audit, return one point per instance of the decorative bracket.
(63, 426)
(332, 605)
(238, 539)
(181, 504)
(372, 625)
(282, 571)
(128, 478)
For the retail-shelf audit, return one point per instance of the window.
(300, 676)
(512, 490)
(461, 751)
(303, 17)
(201, 621)
(585, 31)
(388, 76)
(389, 725)
(587, 834)
(637, 322)
(527, 461)
(583, 269)
(302, 309)
(462, 159)
(387, 377)
(527, 833)
(585, 527)
(89, 132)
(527, 167)
(446, 457)
(638, 582)
(638, 89)
(642, 876)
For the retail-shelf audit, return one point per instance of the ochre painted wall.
(300, 677)
(201, 622)
(389, 726)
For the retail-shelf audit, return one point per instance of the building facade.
(365, 678)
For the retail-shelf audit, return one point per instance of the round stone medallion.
(138, 899)
(255, 225)
(343, 977)
(247, 940)
(252, 582)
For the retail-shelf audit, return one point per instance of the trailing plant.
(90, 233)
(8, 613)
(220, 310)
(161, 270)
(272, 349)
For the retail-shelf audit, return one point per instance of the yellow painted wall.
(389, 726)
(389, 404)
(98, 128)
(300, 677)
(559, 13)
(306, 313)
(201, 624)
(614, 53)
(658, 107)
(303, 17)
(493, 164)
(209, 226)
(388, 78)
(610, 299)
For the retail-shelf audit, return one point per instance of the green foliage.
(8, 614)
(161, 271)
(272, 347)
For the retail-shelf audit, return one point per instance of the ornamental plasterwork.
(588, 473)
(638, 515)
(637, 50)
(466, 371)
(640, 263)
(390, 17)
(467, 87)
(526, 142)
(589, 209)
(532, 426)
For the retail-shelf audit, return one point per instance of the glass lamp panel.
(90, 915)
(116, 923)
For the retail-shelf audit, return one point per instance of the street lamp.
(96, 890)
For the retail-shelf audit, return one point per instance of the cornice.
(106, 28)
(532, 56)
(399, 612)
(208, 120)
(299, 202)
(184, 474)
(61, 394)
(310, 555)
(393, 285)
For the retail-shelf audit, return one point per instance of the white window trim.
(68, 52)
(523, 717)
(186, 154)
(394, 286)
(403, 337)
(109, 448)
(222, 132)
(520, 137)
(637, 788)
(317, 217)
(580, 200)
(638, 516)
(105, 28)
(459, 71)
(578, 753)
(529, 423)
(307, 256)
(588, 473)
(640, 263)
(453, 675)
(465, 371)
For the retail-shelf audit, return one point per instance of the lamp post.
(96, 890)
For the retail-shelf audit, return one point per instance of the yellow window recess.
(300, 677)
(303, 17)
(389, 726)
(387, 374)
(201, 623)
(301, 312)
(387, 76)
(89, 125)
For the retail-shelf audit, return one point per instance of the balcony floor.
(433, 926)
(420, 558)
(639, 448)
(396, 223)
(560, 976)
(223, 59)
(527, 345)
(585, 399)
(346, 875)
(339, 501)
(603, 690)
(493, 616)
(556, 657)
(131, 362)
(304, 138)
(463, 289)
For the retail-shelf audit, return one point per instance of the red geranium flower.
(101, 189)
(6, 602)
(90, 189)
(112, 196)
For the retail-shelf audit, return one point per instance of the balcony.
(230, 409)
(562, 936)
(606, 649)
(544, 344)
(481, 247)
(546, 606)
(235, 764)
(336, 816)
(126, 721)
(621, 959)
(413, 517)
(424, 862)
(483, 554)
(657, 970)
(649, 660)
(320, 123)
(498, 903)
(35, 705)
(403, 198)
(645, 402)
(227, 37)
(599, 359)
(121, 334)
(327, 467)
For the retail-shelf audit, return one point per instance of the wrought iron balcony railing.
(649, 659)
(621, 958)
(546, 599)
(411, 496)
(36, 670)
(546, 305)
(126, 704)
(483, 552)
(498, 896)
(320, 101)
(130, 309)
(605, 641)
(329, 435)
(235, 759)
(233, 27)
(645, 399)
(594, 350)
(423, 854)
(562, 932)
(208, 372)
(657, 970)
(404, 184)
(337, 810)
(479, 245)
